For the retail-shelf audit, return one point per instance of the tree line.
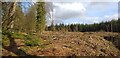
(110, 26)
(14, 19)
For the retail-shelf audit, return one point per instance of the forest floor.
(69, 44)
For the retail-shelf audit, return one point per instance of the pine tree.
(41, 22)
(52, 28)
(69, 29)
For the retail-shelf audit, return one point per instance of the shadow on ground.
(13, 47)
(114, 39)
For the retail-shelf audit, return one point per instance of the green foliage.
(29, 40)
(18, 23)
(18, 36)
(28, 37)
(52, 27)
(5, 40)
(6, 32)
(41, 13)
(13, 35)
(110, 26)
(32, 40)
(30, 21)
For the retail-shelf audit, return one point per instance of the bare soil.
(71, 43)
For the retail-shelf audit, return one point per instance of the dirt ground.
(71, 43)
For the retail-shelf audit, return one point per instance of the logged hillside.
(26, 31)
(65, 44)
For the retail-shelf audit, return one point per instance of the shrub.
(31, 41)
(28, 37)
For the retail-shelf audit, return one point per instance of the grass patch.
(17, 36)
(28, 37)
(32, 40)
(29, 40)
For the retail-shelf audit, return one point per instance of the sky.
(84, 12)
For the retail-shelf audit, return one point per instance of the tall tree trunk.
(7, 21)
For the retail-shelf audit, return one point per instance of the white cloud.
(68, 10)
(77, 10)
(110, 17)
(105, 0)
(63, 11)
(81, 0)
(91, 20)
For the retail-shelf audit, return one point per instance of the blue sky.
(108, 10)
(97, 13)
(26, 6)
(85, 13)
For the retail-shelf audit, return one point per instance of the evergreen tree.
(52, 28)
(103, 26)
(41, 21)
(69, 29)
